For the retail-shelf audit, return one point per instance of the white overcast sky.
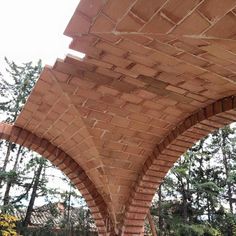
(33, 29)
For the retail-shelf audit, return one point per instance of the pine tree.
(14, 90)
(40, 163)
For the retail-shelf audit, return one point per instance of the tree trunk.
(160, 220)
(185, 202)
(6, 198)
(69, 214)
(6, 160)
(152, 224)
(9, 147)
(33, 195)
(229, 185)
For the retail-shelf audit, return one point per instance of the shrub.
(7, 225)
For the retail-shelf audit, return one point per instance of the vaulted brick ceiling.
(149, 65)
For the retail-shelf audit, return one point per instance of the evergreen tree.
(14, 90)
(197, 196)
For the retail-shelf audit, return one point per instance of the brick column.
(67, 165)
(166, 153)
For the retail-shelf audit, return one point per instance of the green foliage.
(198, 194)
(16, 87)
(24, 176)
(197, 230)
(7, 225)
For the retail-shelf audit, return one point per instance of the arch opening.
(198, 192)
(167, 152)
(67, 165)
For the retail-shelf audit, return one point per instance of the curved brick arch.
(66, 164)
(165, 154)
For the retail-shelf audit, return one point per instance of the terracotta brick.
(83, 44)
(120, 62)
(141, 60)
(100, 116)
(214, 11)
(129, 23)
(117, 111)
(111, 49)
(187, 47)
(176, 89)
(193, 24)
(138, 38)
(197, 97)
(102, 24)
(99, 63)
(175, 10)
(224, 28)
(112, 100)
(135, 216)
(181, 98)
(159, 123)
(108, 37)
(157, 24)
(170, 78)
(79, 23)
(131, 98)
(138, 126)
(221, 120)
(193, 60)
(120, 121)
(217, 57)
(91, 7)
(135, 103)
(126, 72)
(227, 104)
(145, 94)
(166, 101)
(136, 82)
(91, 104)
(108, 73)
(165, 48)
(139, 117)
(107, 90)
(133, 222)
(134, 47)
(164, 59)
(153, 105)
(70, 59)
(146, 9)
(144, 70)
(123, 86)
(132, 107)
(115, 10)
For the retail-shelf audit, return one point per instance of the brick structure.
(158, 76)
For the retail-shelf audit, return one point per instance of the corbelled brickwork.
(158, 75)
(166, 153)
(66, 164)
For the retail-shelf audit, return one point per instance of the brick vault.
(158, 75)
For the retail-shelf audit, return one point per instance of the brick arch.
(166, 153)
(67, 165)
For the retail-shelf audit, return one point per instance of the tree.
(14, 90)
(7, 225)
(41, 163)
(223, 147)
(23, 174)
(197, 196)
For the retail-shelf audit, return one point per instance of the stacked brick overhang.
(158, 76)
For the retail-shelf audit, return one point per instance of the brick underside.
(124, 112)
(64, 163)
